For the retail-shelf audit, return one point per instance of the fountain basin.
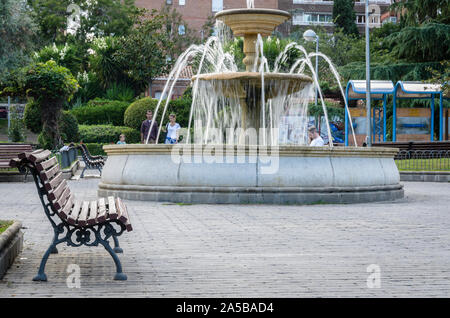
(253, 21)
(230, 83)
(250, 174)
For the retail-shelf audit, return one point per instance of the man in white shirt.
(316, 140)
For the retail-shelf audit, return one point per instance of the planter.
(11, 243)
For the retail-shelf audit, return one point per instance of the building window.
(360, 19)
(217, 5)
(168, 1)
(181, 30)
(312, 18)
(182, 2)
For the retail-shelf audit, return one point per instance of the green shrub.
(135, 113)
(68, 126)
(32, 117)
(101, 111)
(120, 92)
(16, 130)
(107, 134)
(45, 141)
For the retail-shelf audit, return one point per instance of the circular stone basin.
(274, 83)
(253, 21)
(250, 174)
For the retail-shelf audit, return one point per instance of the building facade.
(197, 12)
(320, 12)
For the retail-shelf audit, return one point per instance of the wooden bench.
(74, 222)
(9, 151)
(90, 162)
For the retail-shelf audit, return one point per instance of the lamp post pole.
(317, 66)
(368, 110)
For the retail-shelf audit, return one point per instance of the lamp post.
(311, 36)
(368, 110)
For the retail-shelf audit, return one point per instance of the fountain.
(237, 155)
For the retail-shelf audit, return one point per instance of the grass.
(442, 164)
(4, 225)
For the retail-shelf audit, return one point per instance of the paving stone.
(245, 250)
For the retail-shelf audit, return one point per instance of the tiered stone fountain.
(195, 173)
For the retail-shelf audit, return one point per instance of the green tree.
(95, 18)
(17, 33)
(416, 12)
(50, 85)
(344, 16)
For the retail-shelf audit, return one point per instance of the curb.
(11, 244)
(425, 176)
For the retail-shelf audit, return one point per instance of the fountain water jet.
(229, 162)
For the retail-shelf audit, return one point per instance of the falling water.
(216, 110)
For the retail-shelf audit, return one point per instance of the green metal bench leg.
(41, 276)
(117, 248)
(119, 274)
(82, 173)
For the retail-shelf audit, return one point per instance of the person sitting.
(172, 129)
(314, 137)
(122, 140)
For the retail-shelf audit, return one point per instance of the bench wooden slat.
(92, 219)
(27, 154)
(48, 174)
(62, 199)
(124, 217)
(82, 217)
(101, 214)
(38, 157)
(73, 216)
(52, 184)
(46, 164)
(112, 212)
(64, 213)
(56, 193)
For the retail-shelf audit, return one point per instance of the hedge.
(107, 134)
(101, 112)
(135, 113)
(96, 149)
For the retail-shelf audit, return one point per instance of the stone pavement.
(246, 250)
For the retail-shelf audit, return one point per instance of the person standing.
(145, 128)
(173, 130)
(316, 140)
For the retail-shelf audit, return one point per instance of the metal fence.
(423, 160)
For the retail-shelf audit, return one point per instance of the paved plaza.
(246, 250)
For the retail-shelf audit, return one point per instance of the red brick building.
(197, 12)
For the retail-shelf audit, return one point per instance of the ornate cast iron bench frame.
(78, 223)
(90, 162)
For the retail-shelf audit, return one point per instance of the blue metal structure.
(419, 90)
(379, 90)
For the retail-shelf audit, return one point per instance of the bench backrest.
(54, 186)
(8, 152)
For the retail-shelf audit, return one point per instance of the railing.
(423, 160)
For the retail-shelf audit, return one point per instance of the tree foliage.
(17, 33)
(344, 16)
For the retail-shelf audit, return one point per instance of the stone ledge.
(246, 197)
(11, 243)
(425, 176)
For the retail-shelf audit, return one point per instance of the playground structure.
(412, 123)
